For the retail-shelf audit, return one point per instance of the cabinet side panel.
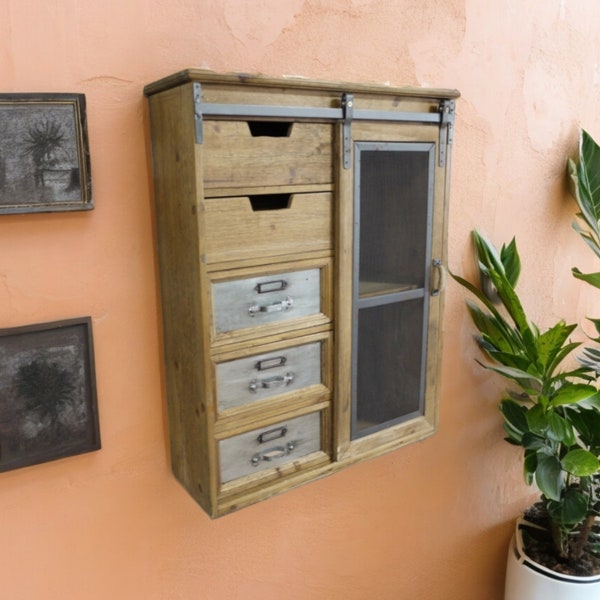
(178, 235)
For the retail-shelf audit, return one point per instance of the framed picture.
(48, 405)
(44, 153)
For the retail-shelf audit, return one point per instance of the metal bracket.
(198, 112)
(348, 111)
(446, 109)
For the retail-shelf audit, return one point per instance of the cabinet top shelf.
(297, 82)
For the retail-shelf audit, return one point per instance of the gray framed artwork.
(44, 153)
(48, 404)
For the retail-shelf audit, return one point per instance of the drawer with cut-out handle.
(244, 154)
(269, 447)
(257, 301)
(267, 375)
(267, 225)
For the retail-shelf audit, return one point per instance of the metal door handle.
(437, 264)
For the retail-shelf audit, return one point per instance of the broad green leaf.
(587, 424)
(549, 476)
(507, 359)
(537, 420)
(560, 430)
(531, 441)
(491, 263)
(587, 237)
(524, 379)
(593, 403)
(511, 261)
(560, 356)
(477, 293)
(591, 278)
(496, 330)
(551, 342)
(596, 323)
(529, 466)
(571, 509)
(514, 414)
(586, 178)
(572, 393)
(590, 359)
(580, 462)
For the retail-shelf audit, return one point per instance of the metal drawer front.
(257, 301)
(266, 375)
(269, 447)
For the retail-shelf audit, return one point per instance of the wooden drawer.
(267, 225)
(258, 301)
(251, 154)
(269, 447)
(267, 375)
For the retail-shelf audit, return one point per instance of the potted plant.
(552, 411)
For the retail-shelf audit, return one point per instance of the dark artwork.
(44, 157)
(48, 406)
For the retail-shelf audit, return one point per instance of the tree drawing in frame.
(44, 154)
(48, 405)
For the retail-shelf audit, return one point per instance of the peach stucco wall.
(428, 522)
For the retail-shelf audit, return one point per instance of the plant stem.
(582, 536)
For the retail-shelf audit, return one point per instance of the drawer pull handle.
(285, 304)
(272, 453)
(270, 382)
(272, 434)
(271, 286)
(270, 363)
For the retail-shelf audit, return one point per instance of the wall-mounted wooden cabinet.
(301, 242)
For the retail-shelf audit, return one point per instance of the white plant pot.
(528, 580)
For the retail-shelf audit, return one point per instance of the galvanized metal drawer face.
(261, 376)
(258, 301)
(269, 447)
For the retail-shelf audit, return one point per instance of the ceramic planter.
(528, 580)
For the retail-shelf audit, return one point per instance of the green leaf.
(580, 462)
(596, 323)
(549, 476)
(572, 393)
(515, 416)
(511, 262)
(586, 176)
(560, 356)
(591, 278)
(571, 509)
(560, 430)
(585, 184)
(532, 441)
(550, 343)
(537, 420)
(529, 465)
(524, 379)
(490, 263)
(496, 330)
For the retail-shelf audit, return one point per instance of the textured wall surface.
(428, 522)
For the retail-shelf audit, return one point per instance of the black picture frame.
(48, 402)
(44, 153)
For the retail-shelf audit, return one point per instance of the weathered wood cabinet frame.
(225, 148)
